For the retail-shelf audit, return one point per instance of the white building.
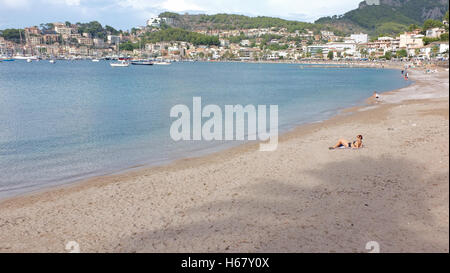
(224, 42)
(113, 39)
(382, 45)
(435, 32)
(156, 21)
(245, 43)
(348, 48)
(62, 29)
(443, 48)
(411, 41)
(360, 38)
(426, 51)
(314, 50)
(99, 43)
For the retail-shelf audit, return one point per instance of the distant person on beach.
(375, 95)
(357, 144)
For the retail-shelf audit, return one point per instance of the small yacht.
(142, 62)
(120, 64)
(20, 57)
(29, 60)
(52, 61)
(162, 63)
(95, 60)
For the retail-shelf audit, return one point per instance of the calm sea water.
(71, 120)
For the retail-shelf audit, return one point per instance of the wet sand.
(300, 198)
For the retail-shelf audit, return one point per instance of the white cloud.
(65, 2)
(129, 13)
(279, 8)
(14, 4)
(72, 2)
(180, 5)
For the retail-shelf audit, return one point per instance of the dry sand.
(301, 198)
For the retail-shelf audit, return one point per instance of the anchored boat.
(120, 64)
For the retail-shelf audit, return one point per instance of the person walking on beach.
(375, 95)
(357, 144)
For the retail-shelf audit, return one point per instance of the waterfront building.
(410, 40)
(360, 38)
(315, 50)
(382, 45)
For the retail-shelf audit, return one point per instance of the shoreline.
(221, 179)
(140, 167)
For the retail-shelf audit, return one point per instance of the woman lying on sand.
(357, 144)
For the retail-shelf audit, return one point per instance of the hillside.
(389, 16)
(233, 22)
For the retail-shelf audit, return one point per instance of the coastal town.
(79, 41)
(225, 131)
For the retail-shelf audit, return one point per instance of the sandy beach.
(300, 198)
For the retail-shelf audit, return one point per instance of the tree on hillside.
(47, 27)
(94, 28)
(111, 30)
(430, 23)
(178, 34)
(12, 34)
(413, 27)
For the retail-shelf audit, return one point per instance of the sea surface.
(72, 120)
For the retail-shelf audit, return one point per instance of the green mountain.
(233, 22)
(388, 16)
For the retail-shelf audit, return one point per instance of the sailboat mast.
(21, 45)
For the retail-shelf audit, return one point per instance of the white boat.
(142, 62)
(120, 64)
(29, 60)
(95, 60)
(161, 63)
(52, 61)
(20, 57)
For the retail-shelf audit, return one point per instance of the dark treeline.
(233, 22)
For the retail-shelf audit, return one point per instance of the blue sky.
(124, 14)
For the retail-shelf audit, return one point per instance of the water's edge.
(207, 151)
